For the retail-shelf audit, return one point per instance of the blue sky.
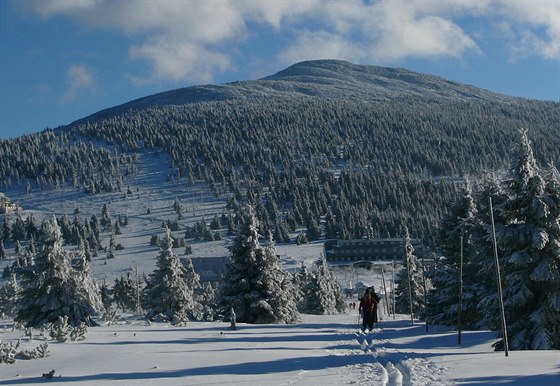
(61, 60)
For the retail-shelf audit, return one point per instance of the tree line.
(57, 283)
(365, 169)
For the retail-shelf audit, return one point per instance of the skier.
(368, 309)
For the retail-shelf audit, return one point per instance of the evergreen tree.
(321, 292)
(6, 231)
(18, 230)
(54, 288)
(408, 283)
(95, 227)
(313, 230)
(281, 232)
(30, 227)
(188, 249)
(215, 224)
(170, 287)
(112, 247)
(486, 289)
(530, 252)
(205, 303)
(125, 293)
(106, 296)
(2, 250)
(300, 280)
(253, 283)
(84, 289)
(106, 222)
(9, 293)
(301, 238)
(18, 249)
(117, 227)
(455, 228)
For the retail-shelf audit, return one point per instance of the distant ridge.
(332, 79)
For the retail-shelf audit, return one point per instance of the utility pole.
(385, 290)
(425, 292)
(460, 295)
(409, 285)
(393, 289)
(137, 293)
(499, 280)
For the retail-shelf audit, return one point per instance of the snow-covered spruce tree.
(125, 293)
(9, 293)
(106, 222)
(486, 283)
(171, 286)
(322, 294)
(2, 250)
(443, 299)
(299, 283)
(53, 287)
(205, 303)
(198, 311)
(529, 247)
(552, 189)
(411, 273)
(85, 289)
(254, 283)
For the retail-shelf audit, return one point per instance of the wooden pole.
(409, 286)
(385, 290)
(137, 293)
(499, 281)
(425, 293)
(459, 311)
(393, 289)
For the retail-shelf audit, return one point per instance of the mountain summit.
(375, 82)
(332, 79)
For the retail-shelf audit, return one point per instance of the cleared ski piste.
(322, 350)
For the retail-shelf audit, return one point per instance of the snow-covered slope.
(322, 350)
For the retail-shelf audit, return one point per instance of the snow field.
(321, 350)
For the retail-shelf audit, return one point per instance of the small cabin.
(6, 206)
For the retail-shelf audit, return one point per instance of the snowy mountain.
(332, 79)
(294, 133)
(322, 149)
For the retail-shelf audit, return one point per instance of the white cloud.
(178, 60)
(395, 30)
(319, 45)
(276, 13)
(195, 40)
(50, 8)
(534, 27)
(80, 81)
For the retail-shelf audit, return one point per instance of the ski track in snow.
(389, 367)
